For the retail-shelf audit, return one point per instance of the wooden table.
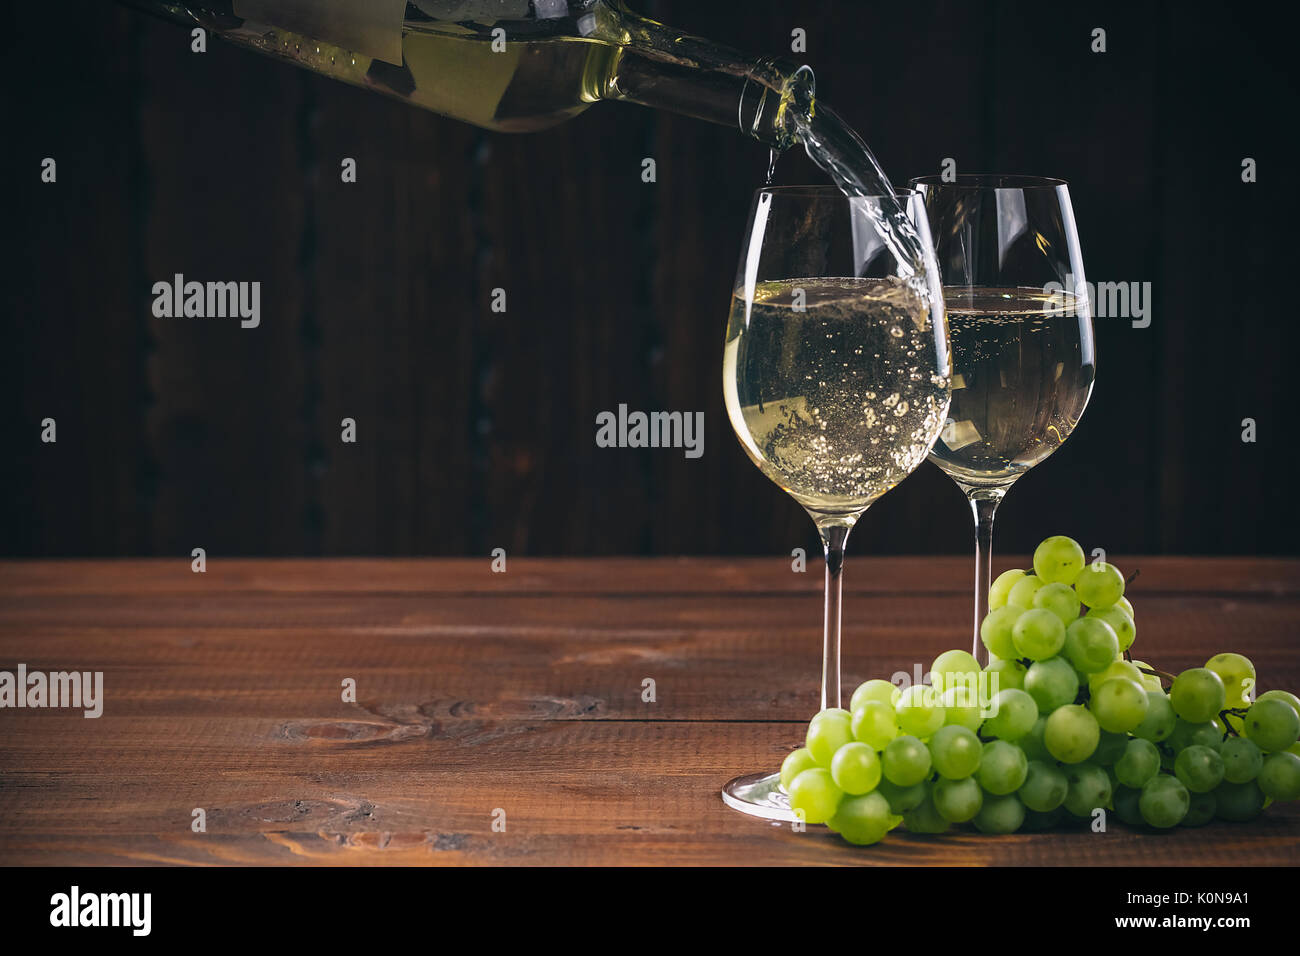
(518, 692)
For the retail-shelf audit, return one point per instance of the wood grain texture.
(518, 691)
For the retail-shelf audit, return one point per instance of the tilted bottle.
(513, 65)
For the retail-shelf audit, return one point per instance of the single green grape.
(1010, 675)
(969, 717)
(1197, 695)
(1287, 696)
(1058, 559)
(856, 768)
(1110, 747)
(954, 752)
(1164, 801)
(1089, 789)
(877, 689)
(1071, 734)
(1125, 800)
(1000, 813)
(1279, 778)
(1160, 718)
(1238, 802)
(1032, 742)
(1001, 587)
(906, 761)
(995, 631)
(1090, 644)
(1242, 759)
(1126, 606)
(902, 799)
(795, 763)
(815, 794)
(1021, 594)
(1038, 634)
(925, 817)
(1114, 669)
(1272, 724)
(1119, 705)
(863, 819)
(874, 724)
(1099, 584)
(1200, 768)
(952, 662)
(1002, 767)
(1052, 683)
(1200, 809)
(1189, 735)
(959, 695)
(828, 731)
(1238, 676)
(1060, 599)
(1138, 764)
(919, 711)
(957, 800)
(1013, 715)
(1120, 621)
(1045, 786)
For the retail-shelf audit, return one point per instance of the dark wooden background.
(476, 430)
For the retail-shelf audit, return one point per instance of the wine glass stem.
(984, 506)
(834, 538)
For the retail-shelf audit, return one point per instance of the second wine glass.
(1022, 339)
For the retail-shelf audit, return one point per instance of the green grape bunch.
(1075, 725)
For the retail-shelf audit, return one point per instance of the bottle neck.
(664, 69)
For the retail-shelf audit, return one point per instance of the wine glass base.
(759, 795)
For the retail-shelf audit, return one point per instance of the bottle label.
(370, 27)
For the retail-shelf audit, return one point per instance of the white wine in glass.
(830, 386)
(1022, 380)
(835, 373)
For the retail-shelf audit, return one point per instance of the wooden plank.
(613, 575)
(643, 793)
(712, 658)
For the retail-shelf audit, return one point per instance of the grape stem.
(1132, 577)
(1164, 675)
(1223, 716)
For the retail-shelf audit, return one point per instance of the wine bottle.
(513, 65)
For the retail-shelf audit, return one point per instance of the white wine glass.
(835, 374)
(1022, 339)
